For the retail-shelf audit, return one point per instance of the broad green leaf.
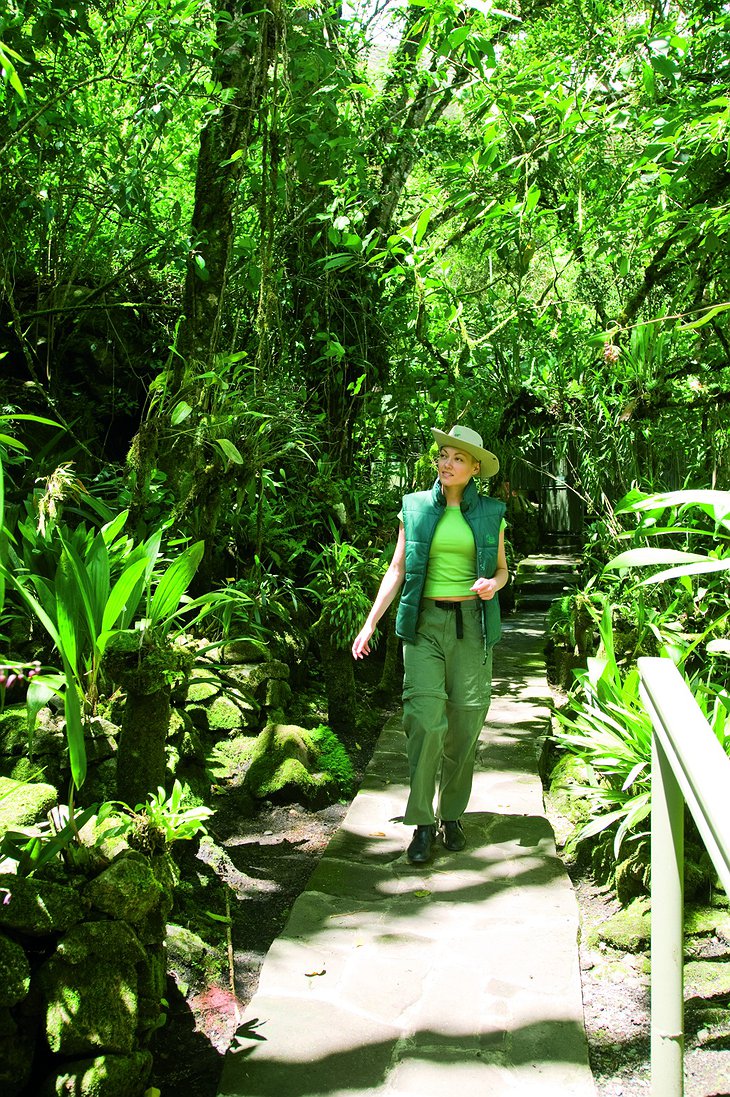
(75, 734)
(174, 583)
(98, 570)
(424, 218)
(706, 568)
(180, 413)
(718, 500)
(120, 598)
(229, 450)
(646, 557)
(457, 36)
(2, 534)
(111, 530)
(68, 612)
(707, 315)
(82, 598)
(41, 689)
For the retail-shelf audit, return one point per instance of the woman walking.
(450, 561)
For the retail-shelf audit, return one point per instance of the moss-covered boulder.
(707, 921)
(16, 1056)
(128, 889)
(190, 960)
(23, 804)
(202, 685)
(228, 714)
(253, 678)
(709, 1024)
(90, 987)
(13, 730)
(288, 764)
(37, 907)
(632, 874)
(278, 694)
(706, 980)
(243, 651)
(104, 1076)
(101, 739)
(629, 930)
(14, 973)
(228, 759)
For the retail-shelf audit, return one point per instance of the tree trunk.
(141, 761)
(339, 679)
(247, 38)
(392, 664)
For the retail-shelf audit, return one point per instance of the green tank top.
(452, 562)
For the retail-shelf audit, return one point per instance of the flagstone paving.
(459, 977)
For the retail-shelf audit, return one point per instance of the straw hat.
(468, 441)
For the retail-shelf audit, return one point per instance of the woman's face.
(456, 468)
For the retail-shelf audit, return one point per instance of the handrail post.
(667, 929)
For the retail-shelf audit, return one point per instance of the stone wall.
(82, 974)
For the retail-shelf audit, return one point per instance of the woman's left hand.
(485, 588)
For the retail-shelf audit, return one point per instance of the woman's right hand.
(361, 644)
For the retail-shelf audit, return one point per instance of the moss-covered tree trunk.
(391, 664)
(146, 667)
(339, 681)
(247, 40)
(141, 759)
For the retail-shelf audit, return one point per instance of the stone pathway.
(458, 978)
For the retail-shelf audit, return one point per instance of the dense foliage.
(250, 253)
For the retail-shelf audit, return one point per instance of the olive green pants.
(446, 693)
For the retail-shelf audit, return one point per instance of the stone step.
(555, 580)
(538, 564)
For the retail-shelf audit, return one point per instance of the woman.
(450, 561)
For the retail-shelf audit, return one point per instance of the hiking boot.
(453, 835)
(419, 851)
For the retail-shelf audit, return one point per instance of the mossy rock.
(710, 1024)
(254, 677)
(38, 907)
(202, 686)
(632, 874)
(230, 714)
(278, 694)
(13, 730)
(23, 804)
(288, 765)
(567, 779)
(14, 973)
(27, 772)
(707, 921)
(629, 930)
(706, 980)
(104, 1076)
(128, 889)
(180, 722)
(229, 759)
(243, 651)
(190, 959)
(282, 765)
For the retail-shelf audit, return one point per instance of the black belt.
(459, 619)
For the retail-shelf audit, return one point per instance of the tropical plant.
(33, 848)
(609, 729)
(157, 823)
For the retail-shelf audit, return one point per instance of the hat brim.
(489, 465)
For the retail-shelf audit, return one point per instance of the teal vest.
(421, 513)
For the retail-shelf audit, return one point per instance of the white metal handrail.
(688, 766)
